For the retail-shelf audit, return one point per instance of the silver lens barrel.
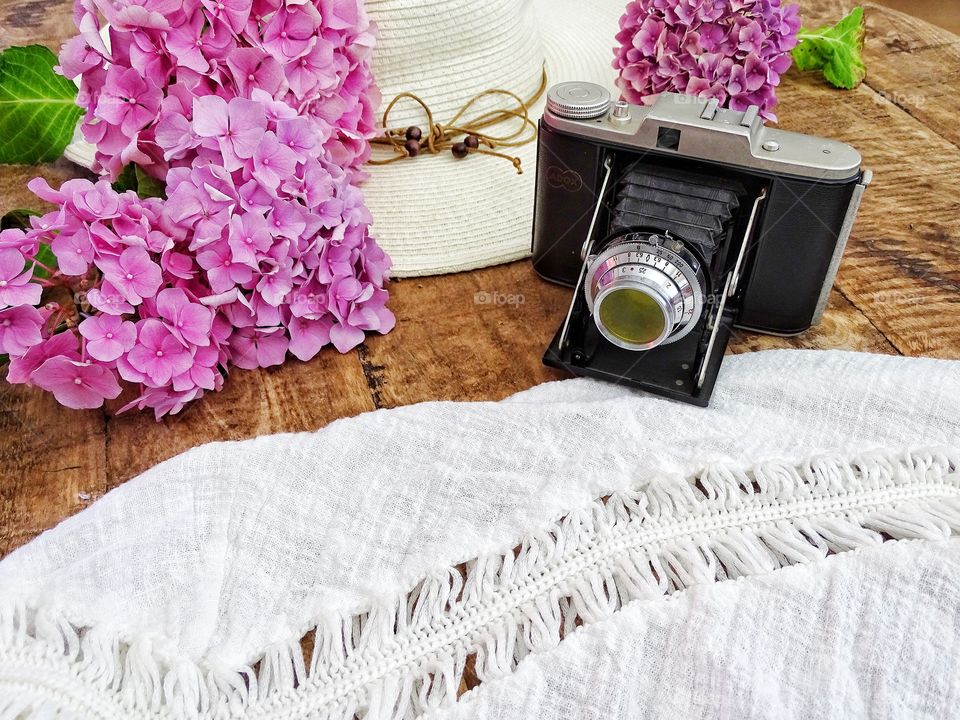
(645, 290)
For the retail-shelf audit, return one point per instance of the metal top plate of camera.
(701, 129)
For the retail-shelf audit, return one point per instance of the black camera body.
(676, 222)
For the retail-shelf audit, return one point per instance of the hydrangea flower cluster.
(256, 114)
(160, 55)
(731, 50)
(170, 309)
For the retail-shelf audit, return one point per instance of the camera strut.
(585, 251)
(729, 289)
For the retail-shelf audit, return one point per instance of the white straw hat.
(436, 214)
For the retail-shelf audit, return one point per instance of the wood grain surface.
(897, 290)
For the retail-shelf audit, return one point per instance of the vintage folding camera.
(676, 222)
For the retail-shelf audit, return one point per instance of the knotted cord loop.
(443, 136)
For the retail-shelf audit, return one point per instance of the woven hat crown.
(447, 51)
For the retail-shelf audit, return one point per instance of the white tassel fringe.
(402, 659)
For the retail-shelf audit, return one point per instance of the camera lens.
(633, 315)
(645, 289)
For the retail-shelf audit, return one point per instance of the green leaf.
(126, 180)
(133, 177)
(835, 50)
(44, 255)
(148, 186)
(18, 218)
(38, 110)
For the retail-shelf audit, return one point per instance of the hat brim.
(437, 214)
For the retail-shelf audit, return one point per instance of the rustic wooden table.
(897, 291)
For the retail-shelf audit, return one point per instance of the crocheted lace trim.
(478, 620)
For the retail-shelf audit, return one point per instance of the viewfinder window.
(668, 138)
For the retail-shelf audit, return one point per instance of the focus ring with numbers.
(645, 290)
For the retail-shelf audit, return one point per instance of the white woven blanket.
(577, 551)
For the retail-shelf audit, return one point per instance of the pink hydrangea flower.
(127, 100)
(223, 272)
(76, 384)
(157, 355)
(107, 299)
(272, 162)
(15, 285)
(63, 344)
(256, 347)
(234, 13)
(308, 336)
(19, 329)
(74, 251)
(313, 70)
(108, 336)
(237, 127)
(731, 50)
(252, 68)
(133, 274)
(186, 44)
(188, 322)
(291, 31)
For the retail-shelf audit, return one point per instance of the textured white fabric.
(167, 588)
(866, 634)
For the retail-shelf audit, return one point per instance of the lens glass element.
(632, 316)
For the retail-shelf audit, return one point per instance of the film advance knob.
(578, 100)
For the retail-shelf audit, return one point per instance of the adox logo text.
(563, 179)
